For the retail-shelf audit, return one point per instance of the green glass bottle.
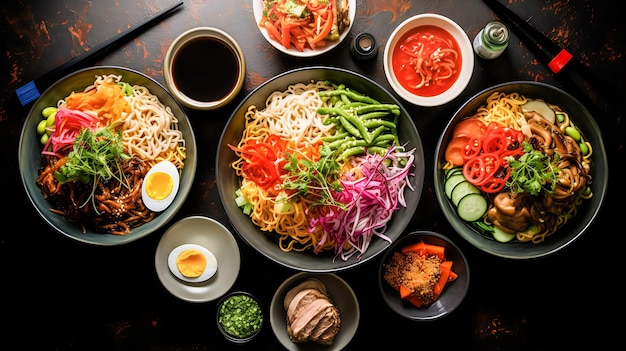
(491, 40)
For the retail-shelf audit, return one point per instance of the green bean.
(393, 108)
(352, 95)
(345, 99)
(374, 114)
(373, 123)
(353, 121)
(379, 150)
(384, 138)
(377, 131)
(352, 104)
(337, 144)
(353, 151)
(351, 128)
(335, 137)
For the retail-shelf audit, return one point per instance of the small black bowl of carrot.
(423, 276)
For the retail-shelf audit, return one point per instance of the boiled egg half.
(192, 263)
(160, 186)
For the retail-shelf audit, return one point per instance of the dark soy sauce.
(205, 69)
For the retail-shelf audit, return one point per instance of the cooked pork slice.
(310, 283)
(311, 315)
(303, 299)
(304, 324)
(327, 327)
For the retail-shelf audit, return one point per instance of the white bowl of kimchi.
(428, 60)
(307, 29)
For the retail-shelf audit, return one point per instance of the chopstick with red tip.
(31, 90)
(549, 52)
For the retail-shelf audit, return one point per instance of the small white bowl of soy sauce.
(204, 68)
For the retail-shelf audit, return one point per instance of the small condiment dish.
(428, 60)
(239, 316)
(204, 68)
(453, 292)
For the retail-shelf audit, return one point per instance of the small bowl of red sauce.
(204, 68)
(428, 60)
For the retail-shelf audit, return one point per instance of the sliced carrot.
(452, 276)
(416, 247)
(404, 291)
(426, 249)
(439, 251)
(446, 268)
(414, 300)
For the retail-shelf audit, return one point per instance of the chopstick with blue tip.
(550, 53)
(31, 91)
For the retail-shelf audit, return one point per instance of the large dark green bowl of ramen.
(528, 226)
(30, 159)
(228, 182)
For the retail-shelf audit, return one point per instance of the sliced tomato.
(469, 127)
(455, 151)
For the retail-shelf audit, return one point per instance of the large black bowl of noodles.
(296, 247)
(551, 180)
(150, 101)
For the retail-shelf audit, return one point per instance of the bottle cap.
(363, 46)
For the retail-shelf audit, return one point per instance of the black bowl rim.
(599, 169)
(165, 216)
(435, 311)
(419, 171)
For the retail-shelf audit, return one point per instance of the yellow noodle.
(292, 115)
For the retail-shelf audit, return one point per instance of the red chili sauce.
(427, 60)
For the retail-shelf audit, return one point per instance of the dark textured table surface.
(59, 294)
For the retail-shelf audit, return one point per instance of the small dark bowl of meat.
(521, 170)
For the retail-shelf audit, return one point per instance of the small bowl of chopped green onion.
(239, 316)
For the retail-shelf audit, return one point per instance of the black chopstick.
(31, 90)
(547, 51)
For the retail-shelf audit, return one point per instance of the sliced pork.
(311, 315)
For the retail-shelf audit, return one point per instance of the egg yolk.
(191, 263)
(159, 185)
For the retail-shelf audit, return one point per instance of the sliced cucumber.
(502, 236)
(462, 189)
(453, 171)
(451, 182)
(472, 207)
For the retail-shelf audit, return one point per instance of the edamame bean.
(41, 127)
(584, 148)
(573, 132)
(44, 139)
(46, 112)
(50, 119)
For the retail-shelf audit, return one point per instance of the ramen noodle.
(149, 134)
(285, 142)
(530, 216)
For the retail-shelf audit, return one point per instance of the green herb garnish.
(314, 180)
(95, 156)
(533, 171)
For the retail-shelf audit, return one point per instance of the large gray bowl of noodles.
(266, 242)
(519, 222)
(30, 161)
